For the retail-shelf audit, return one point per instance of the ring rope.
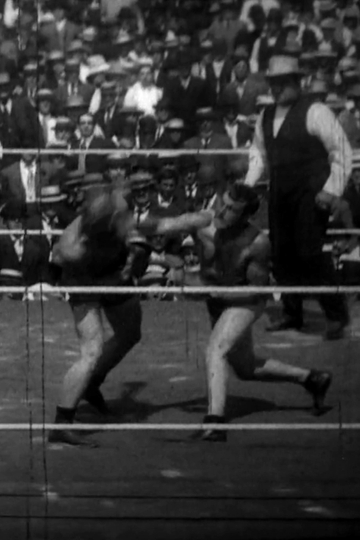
(183, 427)
(348, 289)
(59, 232)
(134, 151)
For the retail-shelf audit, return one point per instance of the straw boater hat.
(264, 100)
(141, 179)
(175, 124)
(116, 160)
(89, 34)
(281, 65)
(123, 39)
(75, 46)
(4, 79)
(56, 56)
(45, 94)
(97, 65)
(30, 68)
(318, 87)
(93, 180)
(64, 123)
(75, 180)
(205, 113)
(51, 195)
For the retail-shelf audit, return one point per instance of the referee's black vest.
(298, 161)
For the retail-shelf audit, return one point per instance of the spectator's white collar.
(60, 25)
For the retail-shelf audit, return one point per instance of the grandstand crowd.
(151, 75)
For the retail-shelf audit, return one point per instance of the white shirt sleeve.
(10, 15)
(95, 101)
(130, 99)
(254, 60)
(322, 123)
(257, 155)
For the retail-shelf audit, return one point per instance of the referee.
(309, 160)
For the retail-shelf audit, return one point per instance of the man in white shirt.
(28, 173)
(144, 95)
(309, 160)
(47, 122)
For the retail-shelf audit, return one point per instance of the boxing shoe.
(214, 435)
(70, 437)
(285, 323)
(95, 398)
(317, 384)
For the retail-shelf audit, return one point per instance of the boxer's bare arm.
(71, 247)
(186, 223)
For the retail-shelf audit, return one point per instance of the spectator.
(186, 93)
(59, 33)
(246, 87)
(318, 90)
(164, 268)
(21, 256)
(268, 43)
(98, 69)
(163, 114)
(208, 185)
(146, 132)
(237, 127)
(350, 118)
(64, 131)
(144, 95)
(18, 127)
(47, 122)
(218, 71)
(189, 186)
(108, 117)
(190, 254)
(167, 196)
(227, 26)
(116, 171)
(78, 52)
(174, 135)
(21, 182)
(56, 69)
(30, 87)
(141, 184)
(199, 67)
(87, 161)
(208, 139)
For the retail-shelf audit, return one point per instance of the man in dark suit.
(188, 189)
(18, 121)
(218, 71)
(246, 87)
(109, 117)
(88, 162)
(163, 114)
(23, 258)
(237, 128)
(72, 86)
(167, 196)
(208, 139)
(187, 93)
(21, 182)
(173, 136)
(58, 34)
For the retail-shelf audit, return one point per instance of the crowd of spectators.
(151, 75)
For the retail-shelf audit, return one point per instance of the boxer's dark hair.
(240, 192)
